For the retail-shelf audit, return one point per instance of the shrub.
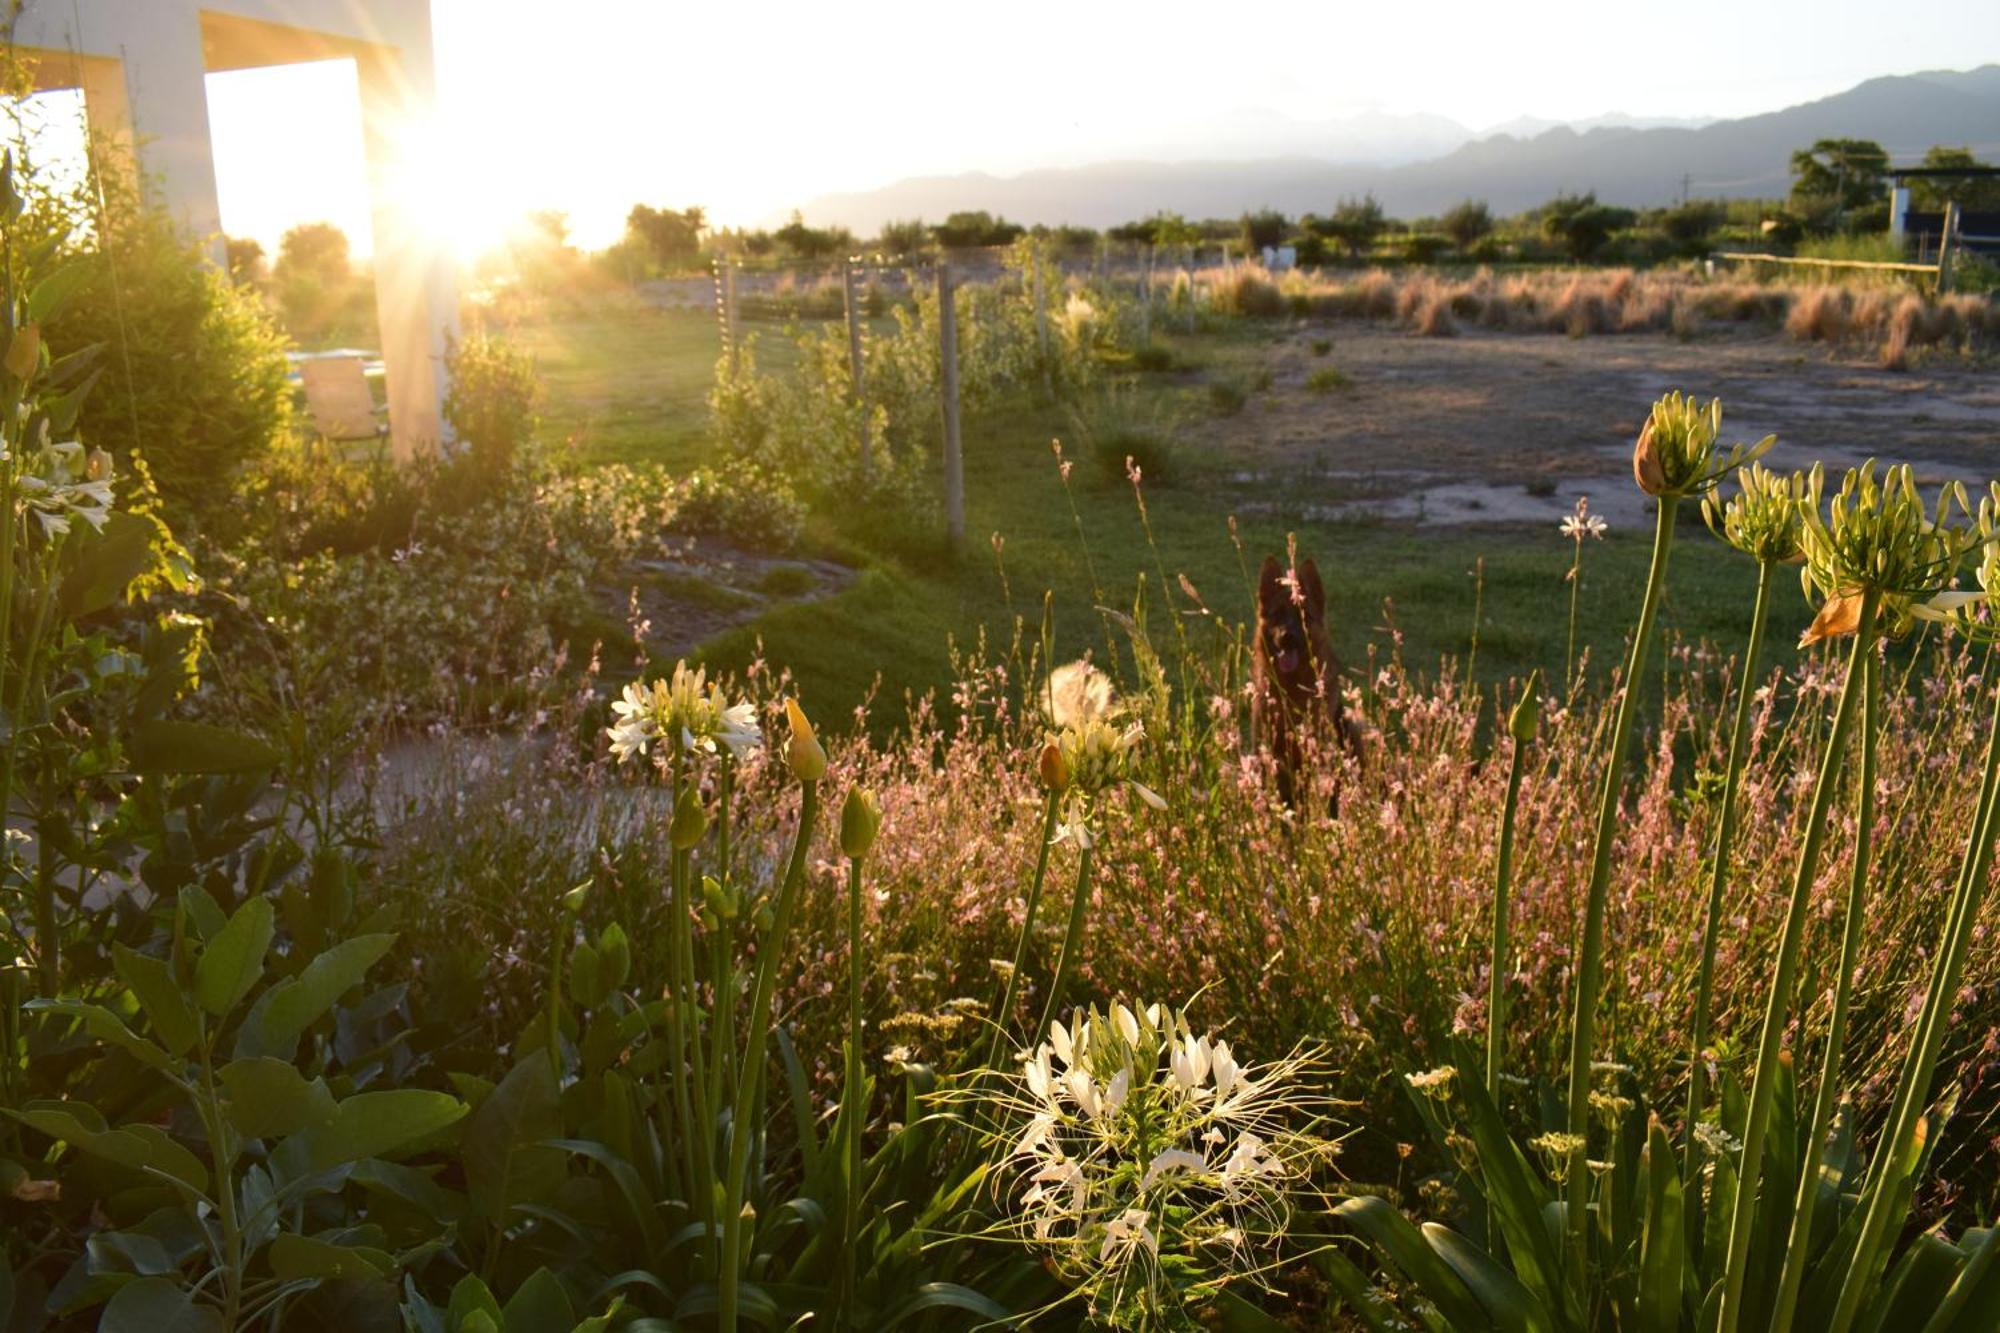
(1246, 289)
(490, 399)
(744, 503)
(1118, 427)
(1227, 397)
(1321, 346)
(1326, 379)
(192, 371)
(1154, 358)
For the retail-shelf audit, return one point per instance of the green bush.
(1327, 379)
(1227, 397)
(1120, 430)
(489, 404)
(192, 370)
(744, 503)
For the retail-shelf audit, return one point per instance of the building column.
(166, 115)
(1899, 209)
(416, 297)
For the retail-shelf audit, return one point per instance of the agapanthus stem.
(743, 1111)
(1590, 967)
(1763, 1086)
(1814, 1146)
(1886, 1186)
(1004, 1015)
(1072, 939)
(1503, 876)
(1718, 879)
(853, 1106)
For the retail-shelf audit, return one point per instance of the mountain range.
(1418, 165)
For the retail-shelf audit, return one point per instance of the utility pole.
(854, 364)
(954, 462)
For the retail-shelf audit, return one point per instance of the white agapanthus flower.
(61, 482)
(1097, 756)
(1133, 1139)
(688, 711)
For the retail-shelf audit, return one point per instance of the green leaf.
(1403, 1246)
(48, 296)
(152, 983)
(293, 1256)
(107, 1027)
(471, 1296)
(372, 1124)
(945, 1296)
(156, 1305)
(107, 563)
(1513, 1307)
(140, 1147)
(506, 1161)
(269, 1099)
(296, 1003)
(166, 746)
(540, 1305)
(1663, 1250)
(231, 962)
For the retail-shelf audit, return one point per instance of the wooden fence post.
(1946, 241)
(854, 363)
(1041, 317)
(722, 328)
(954, 463)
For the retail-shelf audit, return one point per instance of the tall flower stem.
(721, 965)
(1503, 876)
(677, 1009)
(1814, 1146)
(742, 1110)
(1763, 1086)
(1718, 878)
(852, 1107)
(1072, 939)
(1590, 970)
(699, 1130)
(1004, 1015)
(1575, 585)
(1887, 1195)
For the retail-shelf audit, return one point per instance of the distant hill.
(1746, 157)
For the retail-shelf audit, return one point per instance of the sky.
(749, 111)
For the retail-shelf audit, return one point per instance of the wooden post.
(729, 303)
(854, 365)
(954, 463)
(1041, 316)
(1946, 241)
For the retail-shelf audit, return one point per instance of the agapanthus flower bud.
(1526, 717)
(805, 754)
(690, 821)
(860, 820)
(97, 465)
(1053, 768)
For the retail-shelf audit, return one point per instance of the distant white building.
(141, 64)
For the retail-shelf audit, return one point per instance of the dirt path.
(1511, 428)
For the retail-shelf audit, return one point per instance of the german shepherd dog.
(1294, 676)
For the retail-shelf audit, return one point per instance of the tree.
(907, 236)
(1975, 195)
(812, 242)
(672, 237)
(1264, 229)
(1355, 224)
(1689, 225)
(315, 250)
(965, 229)
(1582, 224)
(1838, 174)
(246, 261)
(1466, 223)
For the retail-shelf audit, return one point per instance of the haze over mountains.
(1420, 164)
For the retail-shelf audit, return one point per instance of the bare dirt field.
(1497, 428)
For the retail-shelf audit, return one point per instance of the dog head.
(1290, 614)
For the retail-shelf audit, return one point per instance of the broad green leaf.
(291, 1006)
(1404, 1247)
(232, 961)
(540, 1305)
(1513, 1307)
(107, 1027)
(945, 1296)
(1663, 1250)
(156, 1305)
(128, 1252)
(152, 982)
(162, 745)
(506, 1159)
(47, 297)
(107, 563)
(414, 1187)
(372, 1124)
(269, 1099)
(293, 1256)
(139, 1147)
(471, 1296)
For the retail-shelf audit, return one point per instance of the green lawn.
(632, 386)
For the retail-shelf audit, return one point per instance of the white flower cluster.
(61, 482)
(1097, 756)
(1143, 1140)
(688, 711)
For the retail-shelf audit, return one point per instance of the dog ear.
(1309, 584)
(1271, 591)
